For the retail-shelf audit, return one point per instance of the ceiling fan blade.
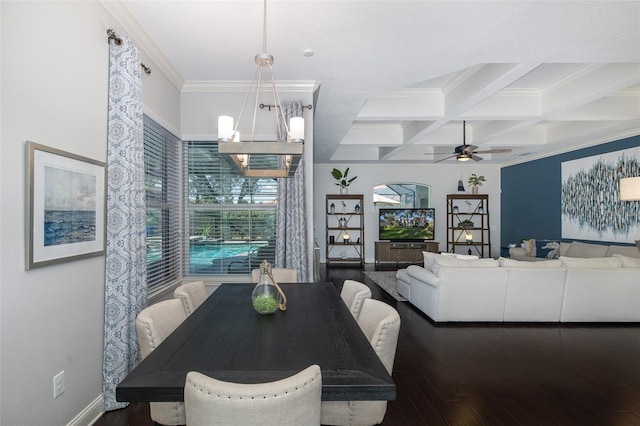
(476, 157)
(445, 158)
(493, 151)
(469, 148)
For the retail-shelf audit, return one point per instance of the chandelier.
(271, 159)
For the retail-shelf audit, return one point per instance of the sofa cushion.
(429, 258)
(564, 248)
(548, 249)
(628, 262)
(591, 262)
(578, 249)
(551, 263)
(629, 251)
(449, 261)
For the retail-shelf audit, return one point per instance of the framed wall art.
(65, 206)
(591, 205)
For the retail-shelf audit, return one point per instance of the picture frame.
(66, 206)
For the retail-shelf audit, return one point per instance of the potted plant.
(342, 179)
(467, 223)
(475, 181)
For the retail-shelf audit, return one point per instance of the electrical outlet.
(58, 384)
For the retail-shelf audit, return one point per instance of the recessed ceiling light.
(308, 52)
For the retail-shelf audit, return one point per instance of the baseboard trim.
(90, 414)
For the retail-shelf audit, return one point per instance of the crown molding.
(120, 12)
(230, 86)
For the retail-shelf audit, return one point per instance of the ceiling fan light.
(463, 157)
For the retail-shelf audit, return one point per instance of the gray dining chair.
(294, 400)
(353, 294)
(281, 275)
(153, 325)
(192, 294)
(381, 324)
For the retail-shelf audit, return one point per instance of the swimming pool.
(204, 254)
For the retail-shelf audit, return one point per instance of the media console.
(391, 254)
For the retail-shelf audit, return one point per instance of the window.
(162, 187)
(230, 219)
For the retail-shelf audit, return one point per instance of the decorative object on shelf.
(475, 181)
(332, 208)
(356, 209)
(345, 238)
(469, 207)
(480, 209)
(267, 296)
(456, 210)
(465, 224)
(344, 207)
(469, 239)
(332, 239)
(342, 223)
(460, 186)
(342, 179)
(288, 146)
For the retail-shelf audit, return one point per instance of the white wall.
(54, 92)
(443, 179)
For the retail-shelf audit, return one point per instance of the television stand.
(396, 254)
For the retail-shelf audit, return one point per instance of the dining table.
(227, 339)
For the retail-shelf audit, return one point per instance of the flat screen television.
(407, 224)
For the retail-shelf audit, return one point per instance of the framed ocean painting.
(65, 206)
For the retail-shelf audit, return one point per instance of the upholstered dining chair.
(353, 294)
(192, 294)
(281, 275)
(153, 325)
(294, 400)
(381, 324)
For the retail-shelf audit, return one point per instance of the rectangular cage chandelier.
(269, 159)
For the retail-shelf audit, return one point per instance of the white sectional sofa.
(450, 289)
(572, 249)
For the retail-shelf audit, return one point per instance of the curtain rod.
(118, 41)
(263, 106)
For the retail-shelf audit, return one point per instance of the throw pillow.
(591, 262)
(548, 249)
(529, 248)
(628, 262)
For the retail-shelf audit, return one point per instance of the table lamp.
(345, 238)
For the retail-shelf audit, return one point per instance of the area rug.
(386, 280)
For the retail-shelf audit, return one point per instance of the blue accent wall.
(530, 195)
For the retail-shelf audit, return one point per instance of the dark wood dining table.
(226, 339)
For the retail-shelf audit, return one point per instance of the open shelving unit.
(346, 218)
(474, 236)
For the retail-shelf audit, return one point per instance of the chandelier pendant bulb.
(289, 136)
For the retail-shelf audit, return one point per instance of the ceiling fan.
(466, 152)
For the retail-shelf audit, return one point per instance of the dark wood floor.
(495, 374)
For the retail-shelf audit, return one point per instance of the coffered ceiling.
(397, 78)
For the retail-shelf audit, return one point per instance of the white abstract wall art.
(591, 206)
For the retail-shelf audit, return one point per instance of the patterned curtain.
(126, 263)
(291, 235)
